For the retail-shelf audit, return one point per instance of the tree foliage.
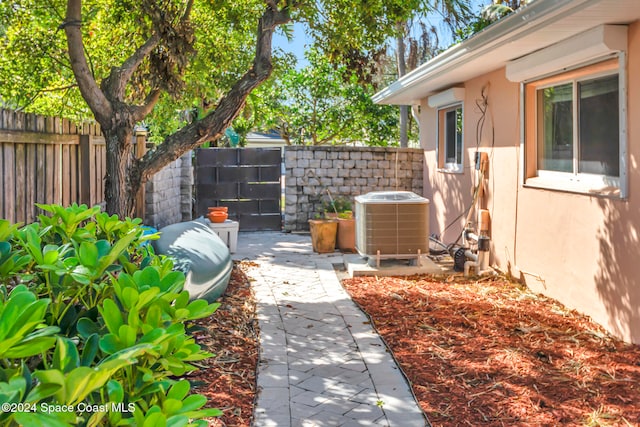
(324, 104)
(489, 14)
(37, 75)
(124, 62)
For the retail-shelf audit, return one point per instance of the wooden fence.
(48, 160)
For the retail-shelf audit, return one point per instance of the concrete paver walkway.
(321, 363)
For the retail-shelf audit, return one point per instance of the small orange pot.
(217, 216)
(218, 209)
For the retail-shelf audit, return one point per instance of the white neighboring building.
(265, 139)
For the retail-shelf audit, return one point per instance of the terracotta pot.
(323, 235)
(217, 216)
(218, 209)
(346, 238)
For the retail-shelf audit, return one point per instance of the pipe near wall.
(478, 261)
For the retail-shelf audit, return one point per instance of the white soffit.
(597, 42)
(447, 97)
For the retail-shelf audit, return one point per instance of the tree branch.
(139, 112)
(213, 125)
(187, 11)
(328, 138)
(117, 81)
(119, 77)
(95, 98)
(331, 136)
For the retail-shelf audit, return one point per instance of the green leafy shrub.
(336, 205)
(22, 330)
(92, 325)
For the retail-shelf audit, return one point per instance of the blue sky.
(300, 40)
(296, 45)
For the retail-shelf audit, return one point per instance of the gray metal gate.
(246, 180)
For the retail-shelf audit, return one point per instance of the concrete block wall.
(344, 172)
(186, 187)
(168, 194)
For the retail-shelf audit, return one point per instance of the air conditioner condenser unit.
(392, 224)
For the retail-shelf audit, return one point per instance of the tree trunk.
(121, 182)
(402, 70)
(404, 126)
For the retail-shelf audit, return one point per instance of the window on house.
(450, 138)
(572, 129)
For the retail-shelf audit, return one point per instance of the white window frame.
(441, 146)
(593, 184)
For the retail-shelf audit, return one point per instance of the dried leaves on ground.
(228, 379)
(489, 352)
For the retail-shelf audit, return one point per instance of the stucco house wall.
(581, 249)
(451, 193)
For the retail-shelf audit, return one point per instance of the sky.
(296, 45)
(300, 39)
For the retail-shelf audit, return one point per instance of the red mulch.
(228, 379)
(477, 352)
(488, 352)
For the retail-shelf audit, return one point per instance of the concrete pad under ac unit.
(359, 266)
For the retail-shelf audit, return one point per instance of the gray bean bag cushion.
(200, 254)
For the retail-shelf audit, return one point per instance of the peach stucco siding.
(581, 249)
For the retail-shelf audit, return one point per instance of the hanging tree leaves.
(124, 61)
